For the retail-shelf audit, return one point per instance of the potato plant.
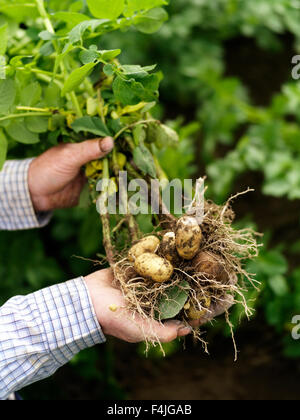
(60, 86)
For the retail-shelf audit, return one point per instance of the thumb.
(89, 150)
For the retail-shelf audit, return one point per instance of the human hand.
(54, 178)
(215, 310)
(119, 324)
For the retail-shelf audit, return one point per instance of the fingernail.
(106, 145)
(184, 331)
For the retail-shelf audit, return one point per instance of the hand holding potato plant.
(61, 85)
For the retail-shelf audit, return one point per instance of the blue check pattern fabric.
(16, 209)
(44, 330)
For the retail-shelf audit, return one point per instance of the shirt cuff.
(16, 208)
(43, 331)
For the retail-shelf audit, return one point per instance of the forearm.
(42, 331)
(16, 209)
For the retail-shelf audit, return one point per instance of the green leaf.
(93, 125)
(71, 18)
(128, 92)
(106, 9)
(173, 301)
(46, 36)
(88, 56)
(109, 70)
(144, 160)
(47, 49)
(162, 135)
(7, 95)
(31, 94)
(132, 92)
(37, 124)
(3, 39)
(108, 55)
(137, 5)
(151, 21)
(279, 285)
(52, 96)
(3, 148)
(137, 71)
(19, 132)
(77, 77)
(18, 11)
(139, 134)
(77, 33)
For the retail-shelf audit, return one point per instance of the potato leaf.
(162, 135)
(31, 94)
(7, 95)
(19, 12)
(93, 125)
(77, 77)
(88, 56)
(19, 132)
(128, 92)
(71, 18)
(144, 160)
(3, 39)
(77, 33)
(106, 9)
(3, 148)
(138, 5)
(151, 21)
(173, 301)
(132, 92)
(37, 124)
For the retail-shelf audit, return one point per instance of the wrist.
(35, 199)
(98, 285)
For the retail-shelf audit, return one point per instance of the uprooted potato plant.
(188, 271)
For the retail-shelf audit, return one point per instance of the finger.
(89, 150)
(215, 310)
(169, 331)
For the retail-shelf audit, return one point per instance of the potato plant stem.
(130, 220)
(75, 102)
(128, 127)
(105, 218)
(42, 11)
(24, 115)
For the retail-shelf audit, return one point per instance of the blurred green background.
(228, 88)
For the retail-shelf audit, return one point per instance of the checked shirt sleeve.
(43, 331)
(16, 209)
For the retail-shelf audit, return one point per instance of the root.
(209, 295)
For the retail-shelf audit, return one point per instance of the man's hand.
(215, 310)
(119, 323)
(54, 178)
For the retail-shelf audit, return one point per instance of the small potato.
(188, 237)
(152, 267)
(194, 313)
(148, 244)
(168, 247)
(211, 266)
